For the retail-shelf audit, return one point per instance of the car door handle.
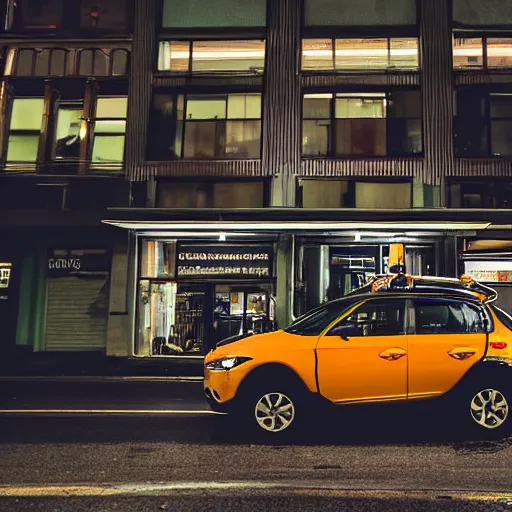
(392, 354)
(461, 353)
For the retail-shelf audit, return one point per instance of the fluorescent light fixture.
(270, 226)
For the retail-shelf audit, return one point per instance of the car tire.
(488, 410)
(272, 411)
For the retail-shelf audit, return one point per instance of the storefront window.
(192, 296)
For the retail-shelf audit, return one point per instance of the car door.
(447, 338)
(363, 356)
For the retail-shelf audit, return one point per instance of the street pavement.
(176, 455)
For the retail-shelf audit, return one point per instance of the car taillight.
(498, 345)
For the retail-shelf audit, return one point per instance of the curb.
(44, 378)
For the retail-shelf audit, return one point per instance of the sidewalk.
(96, 366)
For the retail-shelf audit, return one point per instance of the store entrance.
(243, 309)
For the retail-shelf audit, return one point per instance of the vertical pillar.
(285, 278)
(141, 78)
(437, 94)
(282, 106)
(119, 333)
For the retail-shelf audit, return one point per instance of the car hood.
(247, 345)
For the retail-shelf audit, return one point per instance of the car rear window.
(503, 317)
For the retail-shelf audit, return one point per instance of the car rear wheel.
(490, 409)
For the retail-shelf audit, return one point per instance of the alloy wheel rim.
(274, 412)
(489, 408)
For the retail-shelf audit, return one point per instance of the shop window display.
(186, 313)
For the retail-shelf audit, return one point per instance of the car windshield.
(503, 317)
(316, 320)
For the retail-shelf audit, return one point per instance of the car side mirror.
(344, 330)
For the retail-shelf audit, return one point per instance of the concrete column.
(119, 333)
(285, 278)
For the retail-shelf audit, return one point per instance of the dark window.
(376, 318)
(503, 317)
(448, 317)
(40, 14)
(360, 54)
(104, 14)
(205, 127)
(67, 62)
(483, 124)
(211, 56)
(53, 15)
(213, 13)
(480, 194)
(362, 124)
(478, 13)
(315, 321)
(360, 13)
(205, 194)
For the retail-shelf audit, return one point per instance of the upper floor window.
(360, 13)
(211, 14)
(211, 56)
(362, 124)
(360, 54)
(205, 126)
(476, 13)
(483, 124)
(483, 193)
(58, 15)
(68, 62)
(482, 52)
(69, 125)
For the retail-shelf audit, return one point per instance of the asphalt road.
(384, 459)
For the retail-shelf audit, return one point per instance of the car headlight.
(227, 363)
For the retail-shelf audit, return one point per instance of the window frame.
(484, 36)
(485, 94)
(49, 92)
(372, 301)
(445, 301)
(191, 41)
(362, 70)
(364, 92)
(185, 94)
(69, 20)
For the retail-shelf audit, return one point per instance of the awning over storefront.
(157, 221)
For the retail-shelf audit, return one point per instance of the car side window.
(448, 317)
(374, 318)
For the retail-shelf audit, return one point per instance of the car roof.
(463, 288)
(415, 295)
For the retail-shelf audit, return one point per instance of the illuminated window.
(205, 126)
(211, 56)
(362, 124)
(109, 129)
(360, 54)
(67, 133)
(468, 53)
(25, 129)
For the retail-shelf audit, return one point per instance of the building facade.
(176, 171)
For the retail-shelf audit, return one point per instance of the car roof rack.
(400, 282)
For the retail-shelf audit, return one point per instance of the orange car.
(397, 339)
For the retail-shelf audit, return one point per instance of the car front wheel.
(275, 411)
